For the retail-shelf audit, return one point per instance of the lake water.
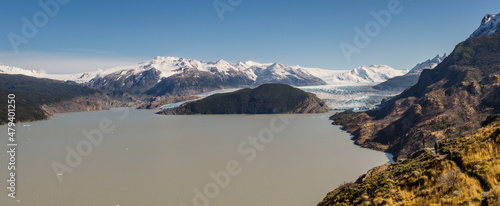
(148, 159)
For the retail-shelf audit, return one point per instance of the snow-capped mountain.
(411, 78)
(79, 77)
(428, 64)
(364, 74)
(253, 71)
(489, 25)
(180, 76)
(16, 70)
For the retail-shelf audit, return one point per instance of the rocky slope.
(265, 99)
(194, 82)
(410, 78)
(448, 101)
(127, 81)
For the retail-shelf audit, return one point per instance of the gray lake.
(148, 159)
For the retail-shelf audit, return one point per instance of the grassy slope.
(471, 166)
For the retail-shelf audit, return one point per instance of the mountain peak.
(489, 25)
(221, 61)
(438, 58)
(487, 18)
(276, 64)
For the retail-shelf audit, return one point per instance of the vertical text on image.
(11, 145)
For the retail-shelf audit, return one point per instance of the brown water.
(150, 159)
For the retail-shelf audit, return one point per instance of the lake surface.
(148, 159)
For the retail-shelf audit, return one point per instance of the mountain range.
(179, 77)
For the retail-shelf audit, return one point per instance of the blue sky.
(85, 35)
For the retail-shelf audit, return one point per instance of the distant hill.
(38, 98)
(265, 99)
(42, 91)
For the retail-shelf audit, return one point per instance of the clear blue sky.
(87, 34)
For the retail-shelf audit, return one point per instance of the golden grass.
(417, 181)
(494, 197)
(426, 179)
(479, 153)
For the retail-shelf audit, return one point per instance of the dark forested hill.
(265, 99)
(31, 93)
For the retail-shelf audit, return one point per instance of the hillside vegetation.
(466, 173)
